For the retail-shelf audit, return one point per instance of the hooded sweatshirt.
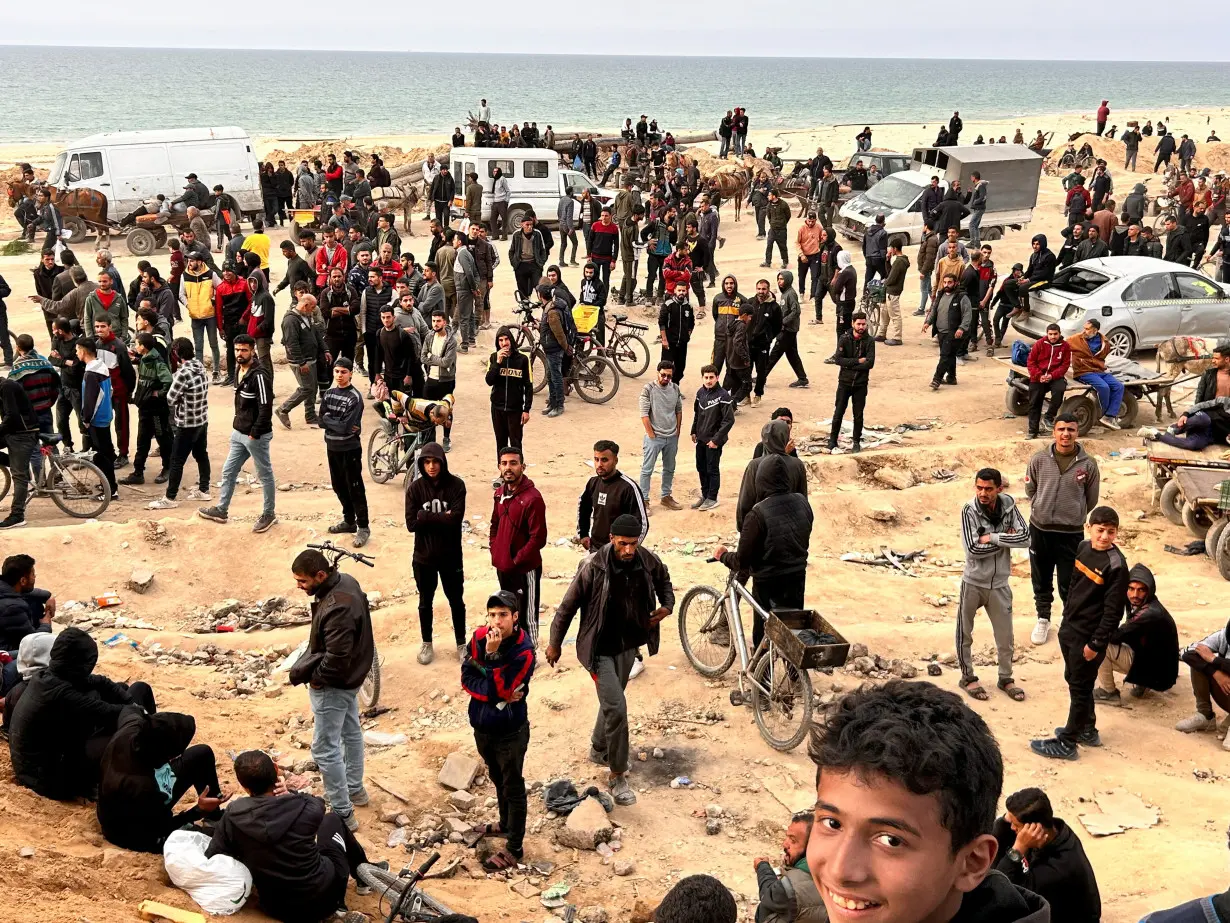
(775, 534)
(791, 313)
(259, 315)
(774, 437)
(1058, 872)
(1041, 266)
(20, 615)
(726, 309)
(518, 528)
(435, 510)
(989, 565)
(1151, 634)
(511, 380)
(493, 679)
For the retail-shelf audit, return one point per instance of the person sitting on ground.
(299, 856)
(24, 609)
(907, 782)
(32, 658)
(1207, 421)
(791, 898)
(697, 899)
(146, 768)
(1209, 661)
(65, 717)
(1214, 908)
(1145, 646)
(1041, 853)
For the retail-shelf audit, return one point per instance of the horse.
(81, 208)
(1181, 355)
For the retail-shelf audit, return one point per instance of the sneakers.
(1196, 722)
(1148, 432)
(461, 652)
(855, 448)
(351, 822)
(212, 513)
(121, 462)
(671, 503)
(799, 383)
(426, 653)
(880, 338)
(598, 759)
(1110, 698)
(756, 399)
(217, 377)
(12, 521)
(893, 343)
(162, 503)
(283, 417)
(935, 385)
(621, 791)
(698, 504)
(136, 477)
(264, 523)
(1109, 423)
(555, 412)
(638, 667)
(361, 799)
(361, 537)
(1054, 749)
(163, 476)
(195, 493)
(448, 444)
(1089, 738)
(708, 505)
(968, 358)
(342, 528)
(1042, 628)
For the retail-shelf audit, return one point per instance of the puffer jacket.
(492, 681)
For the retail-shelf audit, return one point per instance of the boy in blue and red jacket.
(496, 673)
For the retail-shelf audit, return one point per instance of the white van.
(131, 166)
(535, 177)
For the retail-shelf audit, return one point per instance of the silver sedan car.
(1139, 301)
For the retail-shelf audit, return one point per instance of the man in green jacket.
(890, 315)
(628, 231)
(153, 412)
(791, 897)
(778, 214)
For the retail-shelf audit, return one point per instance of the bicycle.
(525, 333)
(393, 448)
(593, 377)
(77, 486)
(369, 692)
(626, 347)
(773, 678)
(872, 303)
(407, 902)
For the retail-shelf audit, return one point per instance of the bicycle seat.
(620, 317)
(49, 438)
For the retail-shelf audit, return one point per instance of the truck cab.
(536, 180)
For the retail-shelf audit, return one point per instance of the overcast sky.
(1041, 29)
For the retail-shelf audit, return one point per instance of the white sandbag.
(220, 884)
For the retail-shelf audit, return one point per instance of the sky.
(1043, 29)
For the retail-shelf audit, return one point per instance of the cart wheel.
(1128, 411)
(79, 228)
(1223, 555)
(1197, 520)
(1213, 538)
(141, 242)
(1171, 501)
(1083, 409)
(1017, 401)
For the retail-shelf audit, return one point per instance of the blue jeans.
(200, 327)
(1196, 434)
(337, 745)
(555, 379)
(724, 148)
(243, 448)
(975, 222)
(667, 447)
(1109, 389)
(924, 287)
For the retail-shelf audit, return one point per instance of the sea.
(307, 95)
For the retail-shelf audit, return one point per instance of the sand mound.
(319, 150)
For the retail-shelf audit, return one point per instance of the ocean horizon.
(323, 94)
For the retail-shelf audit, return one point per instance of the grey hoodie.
(989, 565)
(791, 314)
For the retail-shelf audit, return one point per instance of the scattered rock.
(459, 772)
(934, 669)
(883, 512)
(713, 810)
(903, 669)
(864, 665)
(402, 820)
(624, 867)
(140, 579)
(658, 753)
(897, 478)
(586, 827)
(456, 824)
(595, 913)
(713, 826)
(26, 852)
(949, 660)
(462, 800)
(856, 651)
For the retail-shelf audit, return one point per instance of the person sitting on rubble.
(1209, 661)
(1145, 647)
(791, 897)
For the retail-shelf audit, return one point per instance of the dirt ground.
(74, 877)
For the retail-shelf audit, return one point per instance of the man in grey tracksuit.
(991, 526)
(303, 344)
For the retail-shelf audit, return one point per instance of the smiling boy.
(907, 783)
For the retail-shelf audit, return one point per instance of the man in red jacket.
(518, 535)
(1048, 363)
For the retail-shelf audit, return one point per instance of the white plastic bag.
(220, 884)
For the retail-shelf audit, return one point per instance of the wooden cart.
(1165, 461)
(1200, 491)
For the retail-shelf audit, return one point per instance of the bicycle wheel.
(784, 715)
(383, 455)
(631, 354)
(6, 481)
(81, 489)
(704, 631)
(369, 692)
(538, 369)
(595, 380)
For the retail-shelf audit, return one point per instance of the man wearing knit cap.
(623, 592)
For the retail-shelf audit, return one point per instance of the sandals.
(1011, 689)
(499, 861)
(471, 837)
(973, 690)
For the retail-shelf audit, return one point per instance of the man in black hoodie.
(435, 510)
(1145, 647)
(299, 856)
(1041, 853)
(948, 213)
(914, 764)
(64, 719)
(512, 390)
(856, 357)
(1041, 267)
(146, 769)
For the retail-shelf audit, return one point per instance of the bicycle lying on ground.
(774, 677)
(407, 902)
(74, 484)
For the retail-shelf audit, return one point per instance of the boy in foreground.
(907, 783)
(496, 673)
(1091, 613)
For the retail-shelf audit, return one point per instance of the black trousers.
(1051, 553)
(788, 345)
(527, 275)
(812, 265)
(452, 579)
(153, 423)
(778, 592)
(845, 315)
(776, 236)
(946, 368)
(1080, 675)
(342, 854)
(104, 452)
(654, 272)
(709, 468)
(194, 441)
(505, 759)
(346, 476)
(1038, 390)
(846, 395)
(68, 402)
(375, 358)
(442, 213)
(738, 382)
(507, 427)
(876, 267)
(229, 332)
(760, 362)
(678, 355)
(343, 345)
(698, 286)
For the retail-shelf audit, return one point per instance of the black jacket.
(511, 381)
(766, 324)
(713, 414)
(133, 811)
(20, 615)
(850, 349)
(1041, 266)
(254, 402)
(602, 501)
(63, 707)
(435, 510)
(1178, 245)
(948, 213)
(774, 437)
(677, 320)
(275, 837)
(1059, 873)
(776, 533)
(1151, 634)
(1097, 596)
(340, 646)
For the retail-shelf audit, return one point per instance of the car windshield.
(893, 192)
(1078, 280)
(57, 171)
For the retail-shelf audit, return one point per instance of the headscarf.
(843, 260)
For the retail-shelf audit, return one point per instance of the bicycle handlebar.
(330, 548)
(426, 866)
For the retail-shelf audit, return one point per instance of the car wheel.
(1122, 342)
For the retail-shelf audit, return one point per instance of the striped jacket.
(989, 565)
(1060, 501)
